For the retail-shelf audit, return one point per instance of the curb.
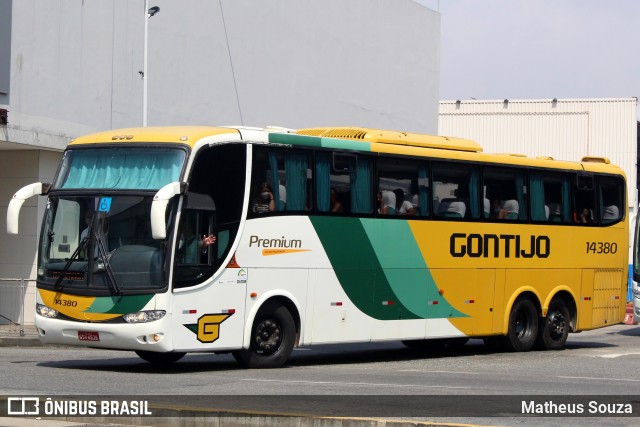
(168, 417)
(20, 342)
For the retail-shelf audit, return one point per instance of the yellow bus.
(323, 235)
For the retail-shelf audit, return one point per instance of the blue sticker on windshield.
(105, 204)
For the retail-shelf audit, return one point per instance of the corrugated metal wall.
(565, 129)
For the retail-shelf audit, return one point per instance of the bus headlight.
(45, 311)
(144, 316)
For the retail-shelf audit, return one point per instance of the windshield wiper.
(111, 278)
(59, 285)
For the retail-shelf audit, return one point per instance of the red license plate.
(88, 336)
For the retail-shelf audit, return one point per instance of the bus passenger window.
(611, 195)
(457, 187)
(281, 181)
(263, 200)
(506, 188)
(407, 185)
(551, 197)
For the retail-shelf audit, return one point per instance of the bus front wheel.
(159, 358)
(523, 326)
(272, 338)
(554, 329)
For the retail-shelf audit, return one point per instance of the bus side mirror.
(13, 211)
(159, 208)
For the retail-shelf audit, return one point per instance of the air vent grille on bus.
(393, 137)
(350, 133)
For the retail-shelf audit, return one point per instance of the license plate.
(88, 336)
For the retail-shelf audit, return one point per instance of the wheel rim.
(556, 325)
(268, 337)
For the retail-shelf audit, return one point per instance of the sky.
(526, 49)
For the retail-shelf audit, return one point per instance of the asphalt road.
(379, 379)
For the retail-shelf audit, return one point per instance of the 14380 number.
(602, 247)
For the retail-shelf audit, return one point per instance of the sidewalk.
(10, 336)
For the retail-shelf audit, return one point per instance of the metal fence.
(12, 301)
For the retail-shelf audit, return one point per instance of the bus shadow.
(191, 363)
(629, 332)
(340, 355)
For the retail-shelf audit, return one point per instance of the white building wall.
(565, 129)
(295, 63)
(18, 253)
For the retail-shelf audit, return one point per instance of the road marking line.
(614, 355)
(440, 372)
(343, 383)
(599, 379)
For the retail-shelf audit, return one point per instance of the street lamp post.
(148, 13)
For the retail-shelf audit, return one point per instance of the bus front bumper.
(150, 336)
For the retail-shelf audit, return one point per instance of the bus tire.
(523, 326)
(554, 328)
(159, 358)
(272, 338)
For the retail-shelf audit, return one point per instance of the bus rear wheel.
(272, 338)
(159, 358)
(554, 329)
(523, 326)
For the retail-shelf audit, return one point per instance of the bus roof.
(345, 138)
(168, 134)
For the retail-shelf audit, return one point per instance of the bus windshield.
(122, 168)
(101, 244)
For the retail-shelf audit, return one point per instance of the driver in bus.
(190, 245)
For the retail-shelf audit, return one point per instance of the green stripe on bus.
(355, 263)
(317, 142)
(119, 304)
(377, 262)
(405, 268)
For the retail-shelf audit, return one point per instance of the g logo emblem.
(209, 327)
